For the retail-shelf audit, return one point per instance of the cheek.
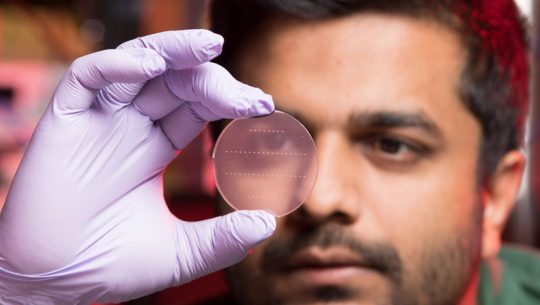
(411, 210)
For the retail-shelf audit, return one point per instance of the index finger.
(181, 49)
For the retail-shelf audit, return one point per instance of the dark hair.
(494, 82)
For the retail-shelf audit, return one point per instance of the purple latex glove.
(85, 219)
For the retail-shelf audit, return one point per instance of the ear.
(499, 196)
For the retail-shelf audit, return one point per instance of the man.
(407, 201)
(417, 109)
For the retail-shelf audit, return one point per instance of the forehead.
(326, 69)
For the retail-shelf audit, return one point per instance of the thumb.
(213, 244)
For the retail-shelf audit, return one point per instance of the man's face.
(394, 215)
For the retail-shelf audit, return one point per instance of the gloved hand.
(85, 219)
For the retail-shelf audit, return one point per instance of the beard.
(445, 267)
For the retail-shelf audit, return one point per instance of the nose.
(332, 198)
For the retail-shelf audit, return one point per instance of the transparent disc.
(265, 163)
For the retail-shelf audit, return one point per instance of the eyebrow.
(382, 120)
(393, 119)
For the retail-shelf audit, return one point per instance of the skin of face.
(396, 215)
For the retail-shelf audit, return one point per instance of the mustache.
(379, 256)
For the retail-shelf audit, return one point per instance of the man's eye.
(387, 149)
(391, 146)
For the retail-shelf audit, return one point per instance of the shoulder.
(514, 280)
(522, 258)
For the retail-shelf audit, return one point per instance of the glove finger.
(220, 242)
(157, 108)
(156, 100)
(181, 49)
(218, 91)
(118, 95)
(182, 125)
(88, 74)
(185, 123)
(191, 97)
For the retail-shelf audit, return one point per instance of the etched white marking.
(266, 153)
(265, 175)
(264, 197)
(267, 130)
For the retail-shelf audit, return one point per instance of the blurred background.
(40, 38)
